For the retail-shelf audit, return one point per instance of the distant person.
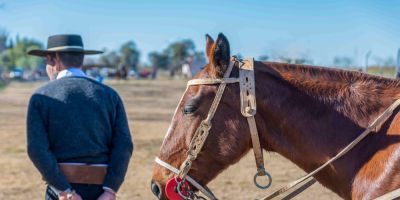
(144, 73)
(121, 73)
(124, 72)
(154, 73)
(186, 71)
(77, 131)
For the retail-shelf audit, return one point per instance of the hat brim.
(44, 53)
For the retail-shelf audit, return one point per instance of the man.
(77, 131)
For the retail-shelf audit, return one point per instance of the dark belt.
(84, 174)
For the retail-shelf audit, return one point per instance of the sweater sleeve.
(121, 149)
(39, 149)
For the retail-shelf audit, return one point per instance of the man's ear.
(220, 56)
(50, 60)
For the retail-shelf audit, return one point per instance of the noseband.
(246, 81)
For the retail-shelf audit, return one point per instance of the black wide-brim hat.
(63, 43)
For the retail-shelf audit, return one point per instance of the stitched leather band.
(84, 174)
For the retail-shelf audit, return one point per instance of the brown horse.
(305, 113)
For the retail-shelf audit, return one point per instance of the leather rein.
(248, 109)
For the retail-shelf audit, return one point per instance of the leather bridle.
(248, 109)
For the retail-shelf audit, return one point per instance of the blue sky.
(317, 29)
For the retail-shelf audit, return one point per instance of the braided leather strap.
(201, 134)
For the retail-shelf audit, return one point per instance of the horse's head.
(228, 138)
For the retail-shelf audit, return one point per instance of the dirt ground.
(149, 105)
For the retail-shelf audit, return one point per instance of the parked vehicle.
(16, 74)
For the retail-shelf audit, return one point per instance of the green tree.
(343, 61)
(7, 59)
(303, 61)
(130, 55)
(3, 40)
(299, 60)
(159, 60)
(179, 51)
(389, 62)
(264, 58)
(16, 55)
(21, 57)
(111, 59)
(199, 55)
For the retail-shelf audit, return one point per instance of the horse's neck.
(308, 119)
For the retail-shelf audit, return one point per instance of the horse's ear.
(209, 45)
(220, 56)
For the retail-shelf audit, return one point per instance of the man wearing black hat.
(77, 130)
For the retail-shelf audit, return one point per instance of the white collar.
(71, 72)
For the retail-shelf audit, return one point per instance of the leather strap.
(258, 154)
(299, 190)
(84, 174)
(247, 88)
(209, 81)
(391, 195)
(249, 109)
(201, 134)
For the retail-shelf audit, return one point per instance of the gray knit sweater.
(76, 119)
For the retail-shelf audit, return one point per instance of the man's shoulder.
(84, 82)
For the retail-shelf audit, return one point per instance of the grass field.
(149, 105)
(383, 71)
(2, 85)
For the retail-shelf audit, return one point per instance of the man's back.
(80, 111)
(78, 120)
(77, 131)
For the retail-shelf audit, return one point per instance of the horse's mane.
(352, 93)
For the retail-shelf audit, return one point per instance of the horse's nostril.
(155, 189)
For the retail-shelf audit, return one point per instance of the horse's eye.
(189, 109)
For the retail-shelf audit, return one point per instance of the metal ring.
(265, 174)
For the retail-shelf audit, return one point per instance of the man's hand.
(75, 196)
(107, 196)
